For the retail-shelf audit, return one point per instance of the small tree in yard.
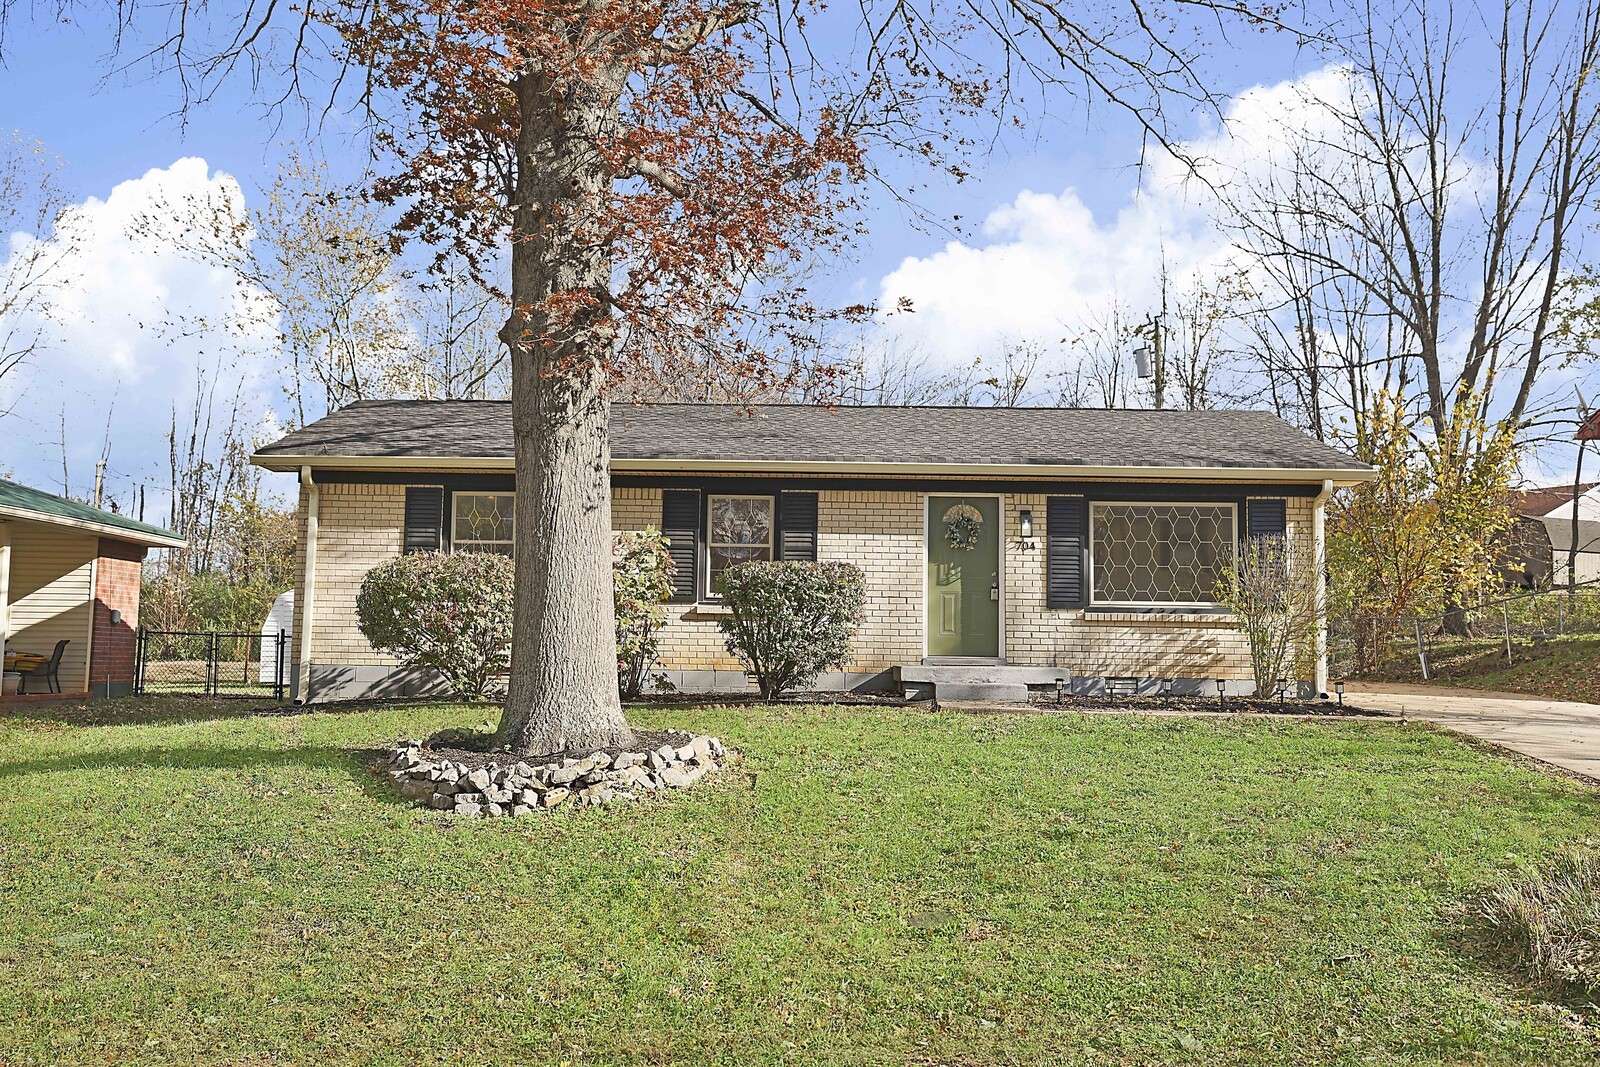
(641, 569)
(791, 621)
(1274, 594)
(1425, 537)
(445, 612)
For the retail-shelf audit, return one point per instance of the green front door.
(963, 610)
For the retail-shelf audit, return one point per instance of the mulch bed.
(1202, 705)
(887, 700)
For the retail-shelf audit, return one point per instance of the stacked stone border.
(519, 788)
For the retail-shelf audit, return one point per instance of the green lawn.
(871, 886)
(1564, 669)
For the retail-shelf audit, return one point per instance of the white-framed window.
(482, 522)
(1161, 555)
(739, 530)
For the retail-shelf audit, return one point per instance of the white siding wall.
(52, 579)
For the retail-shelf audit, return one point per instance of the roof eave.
(1338, 475)
(103, 529)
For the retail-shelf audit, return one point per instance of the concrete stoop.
(995, 683)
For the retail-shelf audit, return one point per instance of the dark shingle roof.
(21, 501)
(681, 434)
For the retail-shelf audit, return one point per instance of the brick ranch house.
(70, 572)
(1002, 547)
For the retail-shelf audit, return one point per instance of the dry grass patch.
(1546, 923)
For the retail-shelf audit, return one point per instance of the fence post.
(279, 666)
(213, 687)
(1505, 613)
(138, 660)
(1422, 650)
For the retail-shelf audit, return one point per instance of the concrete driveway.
(1562, 733)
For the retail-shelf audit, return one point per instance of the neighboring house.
(1541, 539)
(71, 572)
(1097, 538)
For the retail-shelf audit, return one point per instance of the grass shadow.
(1471, 938)
(179, 711)
(356, 764)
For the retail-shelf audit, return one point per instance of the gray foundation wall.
(333, 683)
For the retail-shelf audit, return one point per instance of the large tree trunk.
(563, 691)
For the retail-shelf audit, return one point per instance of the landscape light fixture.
(1061, 690)
(1026, 519)
(1222, 686)
(1338, 687)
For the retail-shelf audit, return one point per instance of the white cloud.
(1047, 264)
(133, 326)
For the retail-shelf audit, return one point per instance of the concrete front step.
(996, 682)
(979, 672)
(985, 692)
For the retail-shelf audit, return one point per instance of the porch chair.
(49, 670)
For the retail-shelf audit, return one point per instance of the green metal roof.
(19, 501)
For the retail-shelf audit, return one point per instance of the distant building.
(1542, 537)
(69, 579)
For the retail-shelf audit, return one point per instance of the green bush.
(791, 621)
(446, 612)
(1546, 923)
(641, 570)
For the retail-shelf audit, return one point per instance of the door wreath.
(962, 525)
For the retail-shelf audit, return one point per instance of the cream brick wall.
(358, 527)
(881, 531)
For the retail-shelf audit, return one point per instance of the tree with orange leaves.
(648, 195)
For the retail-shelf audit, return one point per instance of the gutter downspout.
(1319, 550)
(88, 638)
(309, 588)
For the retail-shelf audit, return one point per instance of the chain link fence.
(1417, 648)
(212, 663)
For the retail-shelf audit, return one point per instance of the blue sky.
(1065, 195)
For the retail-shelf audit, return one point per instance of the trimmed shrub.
(1546, 923)
(446, 612)
(791, 621)
(641, 569)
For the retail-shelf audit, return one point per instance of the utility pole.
(1150, 358)
(1159, 341)
(99, 481)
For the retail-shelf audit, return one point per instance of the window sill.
(710, 611)
(1172, 615)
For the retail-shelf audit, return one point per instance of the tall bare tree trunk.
(563, 691)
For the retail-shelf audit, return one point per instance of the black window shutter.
(1266, 518)
(1066, 527)
(424, 519)
(680, 523)
(797, 527)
